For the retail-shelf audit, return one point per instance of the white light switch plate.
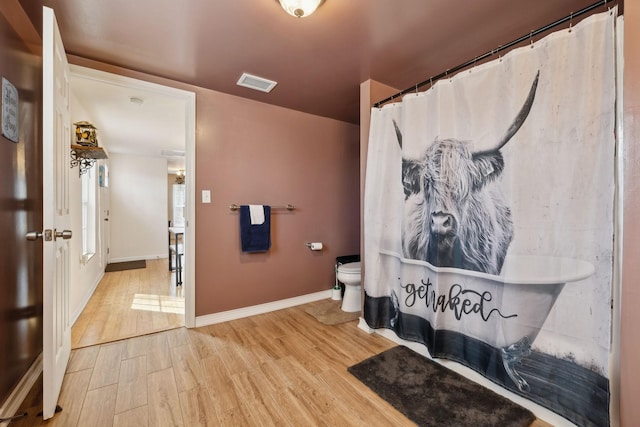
(206, 196)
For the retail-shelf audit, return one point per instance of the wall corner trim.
(225, 316)
(362, 324)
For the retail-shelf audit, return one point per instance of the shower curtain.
(489, 219)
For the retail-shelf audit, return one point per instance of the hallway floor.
(130, 303)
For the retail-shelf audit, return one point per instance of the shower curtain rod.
(493, 52)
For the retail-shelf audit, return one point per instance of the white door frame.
(103, 212)
(189, 99)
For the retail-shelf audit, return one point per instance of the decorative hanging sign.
(86, 134)
(10, 114)
(85, 152)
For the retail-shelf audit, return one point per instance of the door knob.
(65, 234)
(35, 235)
(106, 219)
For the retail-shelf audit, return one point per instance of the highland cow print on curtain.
(489, 219)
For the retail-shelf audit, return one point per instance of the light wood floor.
(130, 303)
(277, 369)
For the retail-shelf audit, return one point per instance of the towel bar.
(235, 207)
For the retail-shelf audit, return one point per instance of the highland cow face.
(454, 216)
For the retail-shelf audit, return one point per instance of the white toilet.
(349, 274)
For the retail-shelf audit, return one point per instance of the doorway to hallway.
(138, 302)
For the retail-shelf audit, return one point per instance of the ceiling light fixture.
(300, 8)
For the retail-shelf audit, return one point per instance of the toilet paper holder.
(314, 246)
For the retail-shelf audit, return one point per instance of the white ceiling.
(125, 127)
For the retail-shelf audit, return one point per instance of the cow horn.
(398, 133)
(521, 117)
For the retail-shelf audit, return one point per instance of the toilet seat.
(350, 268)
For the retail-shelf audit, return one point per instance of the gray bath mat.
(431, 395)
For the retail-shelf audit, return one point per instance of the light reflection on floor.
(158, 303)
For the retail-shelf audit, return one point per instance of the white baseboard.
(140, 257)
(19, 393)
(539, 411)
(85, 300)
(254, 310)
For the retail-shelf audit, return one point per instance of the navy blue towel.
(255, 238)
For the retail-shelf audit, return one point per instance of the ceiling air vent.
(255, 82)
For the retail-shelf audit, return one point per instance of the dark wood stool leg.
(178, 269)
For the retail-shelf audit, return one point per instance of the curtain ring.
(416, 88)
(430, 82)
(531, 39)
(571, 21)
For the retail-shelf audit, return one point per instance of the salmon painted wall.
(249, 152)
(252, 152)
(630, 315)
